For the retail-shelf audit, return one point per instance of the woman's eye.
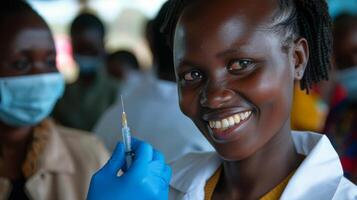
(51, 62)
(192, 75)
(238, 65)
(21, 65)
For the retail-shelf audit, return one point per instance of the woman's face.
(27, 46)
(235, 79)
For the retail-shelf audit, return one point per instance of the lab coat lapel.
(194, 170)
(318, 177)
(319, 174)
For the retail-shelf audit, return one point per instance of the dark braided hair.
(294, 18)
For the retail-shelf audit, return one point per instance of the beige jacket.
(66, 165)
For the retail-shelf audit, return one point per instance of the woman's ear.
(301, 57)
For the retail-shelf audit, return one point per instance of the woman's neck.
(14, 143)
(255, 176)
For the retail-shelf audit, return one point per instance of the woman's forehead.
(219, 27)
(33, 38)
(227, 17)
(254, 11)
(21, 26)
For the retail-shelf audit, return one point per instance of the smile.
(230, 121)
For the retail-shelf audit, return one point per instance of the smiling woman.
(236, 62)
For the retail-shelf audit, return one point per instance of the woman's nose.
(39, 67)
(215, 96)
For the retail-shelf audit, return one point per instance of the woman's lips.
(223, 129)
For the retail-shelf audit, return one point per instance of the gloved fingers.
(158, 162)
(135, 142)
(157, 167)
(167, 173)
(116, 161)
(143, 155)
(160, 172)
(158, 156)
(160, 169)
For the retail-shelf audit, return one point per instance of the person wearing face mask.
(341, 126)
(85, 100)
(38, 159)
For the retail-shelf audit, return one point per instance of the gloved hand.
(146, 179)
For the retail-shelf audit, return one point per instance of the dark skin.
(27, 49)
(233, 63)
(87, 42)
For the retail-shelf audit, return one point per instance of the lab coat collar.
(185, 170)
(320, 172)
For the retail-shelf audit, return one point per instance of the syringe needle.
(122, 103)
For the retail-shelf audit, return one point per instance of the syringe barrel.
(127, 146)
(126, 139)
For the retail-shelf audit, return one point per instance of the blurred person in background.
(152, 108)
(38, 159)
(124, 69)
(85, 100)
(341, 126)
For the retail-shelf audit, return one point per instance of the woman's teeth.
(230, 121)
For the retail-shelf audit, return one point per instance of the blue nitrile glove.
(146, 179)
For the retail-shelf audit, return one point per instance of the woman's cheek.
(188, 100)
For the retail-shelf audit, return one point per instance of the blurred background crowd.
(109, 48)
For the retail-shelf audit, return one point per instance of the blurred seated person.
(85, 100)
(341, 126)
(123, 67)
(152, 109)
(38, 159)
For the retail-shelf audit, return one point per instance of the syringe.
(126, 137)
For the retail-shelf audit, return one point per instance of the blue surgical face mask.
(27, 100)
(348, 78)
(88, 64)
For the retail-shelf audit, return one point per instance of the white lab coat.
(319, 177)
(154, 116)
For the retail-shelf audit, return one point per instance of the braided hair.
(294, 18)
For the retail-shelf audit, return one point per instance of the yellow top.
(274, 194)
(211, 184)
(308, 111)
